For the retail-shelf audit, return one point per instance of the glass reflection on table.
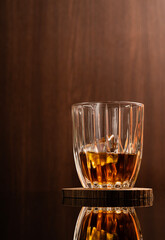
(107, 223)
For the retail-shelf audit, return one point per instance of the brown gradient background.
(55, 53)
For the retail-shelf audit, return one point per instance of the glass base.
(116, 185)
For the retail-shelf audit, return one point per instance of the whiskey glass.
(108, 143)
(107, 223)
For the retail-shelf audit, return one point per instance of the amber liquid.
(109, 225)
(108, 168)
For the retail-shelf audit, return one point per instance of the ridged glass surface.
(107, 143)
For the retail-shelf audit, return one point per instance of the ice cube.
(107, 144)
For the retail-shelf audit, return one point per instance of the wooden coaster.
(108, 197)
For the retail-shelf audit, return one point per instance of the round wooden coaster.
(108, 197)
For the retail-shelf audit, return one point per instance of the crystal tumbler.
(108, 143)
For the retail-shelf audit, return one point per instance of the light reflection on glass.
(107, 224)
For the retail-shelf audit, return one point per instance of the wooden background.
(58, 52)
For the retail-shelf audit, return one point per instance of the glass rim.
(134, 104)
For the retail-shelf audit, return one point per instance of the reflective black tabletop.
(45, 215)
